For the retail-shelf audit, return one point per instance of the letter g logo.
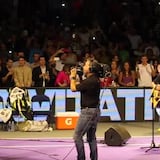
(68, 121)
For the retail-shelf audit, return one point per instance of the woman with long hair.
(127, 76)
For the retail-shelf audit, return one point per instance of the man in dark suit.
(42, 74)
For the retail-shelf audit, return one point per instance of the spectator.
(156, 65)
(145, 72)
(41, 74)
(7, 74)
(123, 52)
(117, 60)
(22, 74)
(71, 58)
(62, 79)
(149, 54)
(155, 49)
(60, 63)
(18, 55)
(127, 76)
(36, 57)
(34, 48)
(58, 59)
(114, 72)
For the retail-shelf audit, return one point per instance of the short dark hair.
(42, 57)
(21, 57)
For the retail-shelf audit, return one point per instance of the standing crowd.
(44, 57)
(56, 71)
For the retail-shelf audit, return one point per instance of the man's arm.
(15, 77)
(73, 84)
(29, 84)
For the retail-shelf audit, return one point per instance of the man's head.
(9, 62)
(36, 57)
(144, 59)
(21, 61)
(20, 54)
(42, 61)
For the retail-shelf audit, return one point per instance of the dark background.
(145, 13)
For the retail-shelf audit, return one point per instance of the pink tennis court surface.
(136, 148)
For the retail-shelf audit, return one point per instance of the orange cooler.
(66, 120)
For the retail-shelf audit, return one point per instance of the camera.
(79, 69)
(98, 68)
(107, 74)
(102, 70)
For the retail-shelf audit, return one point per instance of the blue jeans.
(87, 124)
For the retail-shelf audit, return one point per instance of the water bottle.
(12, 126)
(9, 126)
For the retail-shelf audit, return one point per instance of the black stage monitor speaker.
(116, 136)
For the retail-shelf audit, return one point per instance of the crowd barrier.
(116, 104)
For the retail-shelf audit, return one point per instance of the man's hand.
(73, 73)
(73, 79)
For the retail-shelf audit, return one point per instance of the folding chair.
(42, 109)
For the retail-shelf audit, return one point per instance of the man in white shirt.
(145, 72)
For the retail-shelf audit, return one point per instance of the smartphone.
(56, 58)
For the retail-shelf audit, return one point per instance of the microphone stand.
(153, 145)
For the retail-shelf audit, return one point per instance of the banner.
(116, 104)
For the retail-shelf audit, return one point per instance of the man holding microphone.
(87, 123)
